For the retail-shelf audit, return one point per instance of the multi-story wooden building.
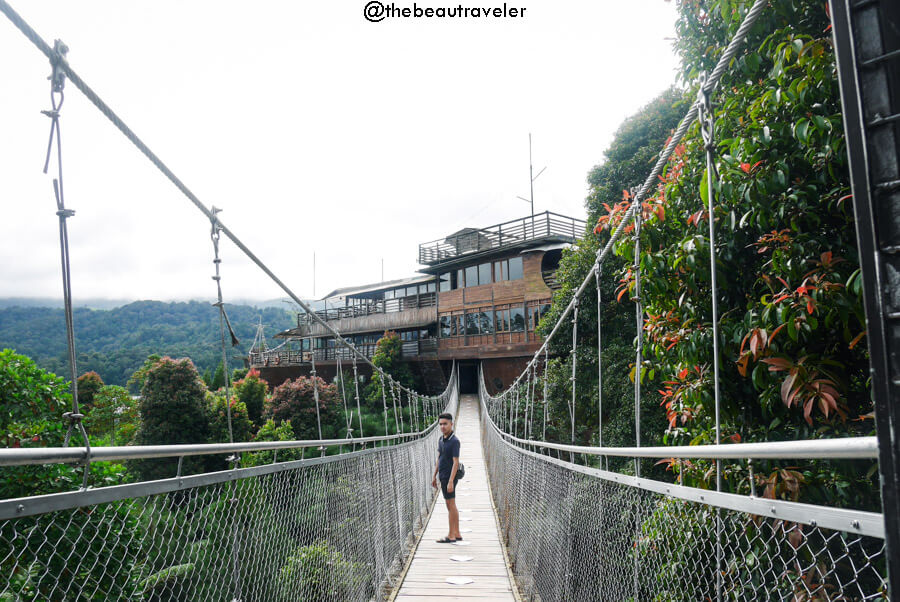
(478, 299)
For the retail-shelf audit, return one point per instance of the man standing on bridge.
(445, 469)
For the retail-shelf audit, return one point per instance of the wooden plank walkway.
(434, 563)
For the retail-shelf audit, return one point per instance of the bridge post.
(869, 76)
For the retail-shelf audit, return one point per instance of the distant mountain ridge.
(103, 303)
(115, 342)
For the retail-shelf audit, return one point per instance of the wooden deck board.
(431, 564)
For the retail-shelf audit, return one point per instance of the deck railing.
(293, 357)
(377, 306)
(507, 234)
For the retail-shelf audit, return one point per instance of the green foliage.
(115, 342)
(626, 163)
(88, 385)
(114, 414)
(241, 426)
(293, 400)
(173, 410)
(251, 390)
(388, 357)
(218, 379)
(270, 431)
(139, 377)
(32, 403)
(319, 573)
(791, 317)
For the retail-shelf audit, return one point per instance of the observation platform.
(434, 563)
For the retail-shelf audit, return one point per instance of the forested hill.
(116, 342)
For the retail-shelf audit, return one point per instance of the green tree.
(88, 385)
(136, 381)
(218, 379)
(389, 357)
(114, 415)
(251, 390)
(173, 410)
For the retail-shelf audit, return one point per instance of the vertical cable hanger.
(707, 131)
(358, 408)
(57, 97)
(215, 234)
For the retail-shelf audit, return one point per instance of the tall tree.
(173, 409)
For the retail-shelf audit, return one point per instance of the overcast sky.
(314, 129)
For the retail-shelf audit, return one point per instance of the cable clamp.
(73, 417)
(57, 58)
(65, 213)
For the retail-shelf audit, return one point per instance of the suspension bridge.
(542, 520)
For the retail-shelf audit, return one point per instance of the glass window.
(389, 294)
(502, 320)
(472, 276)
(517, 319)
(487, 320)
(454, 331)
(460, 280)
(445, 282)
(515, 268)
(472, 323)
(411, 291)
(445, 326)
(484, 273)
(430, 287)
(501, 271)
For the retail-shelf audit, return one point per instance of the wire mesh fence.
(575, 534)
(326, 528)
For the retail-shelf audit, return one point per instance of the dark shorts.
(448, 496)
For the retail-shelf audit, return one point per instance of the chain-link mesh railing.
(324, 528)
(579, 533)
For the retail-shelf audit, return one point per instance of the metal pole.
(862, 66)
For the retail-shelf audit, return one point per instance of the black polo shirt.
(448, 448)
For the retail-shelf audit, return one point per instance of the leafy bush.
(293, 400)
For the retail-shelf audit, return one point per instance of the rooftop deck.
(543, 227)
